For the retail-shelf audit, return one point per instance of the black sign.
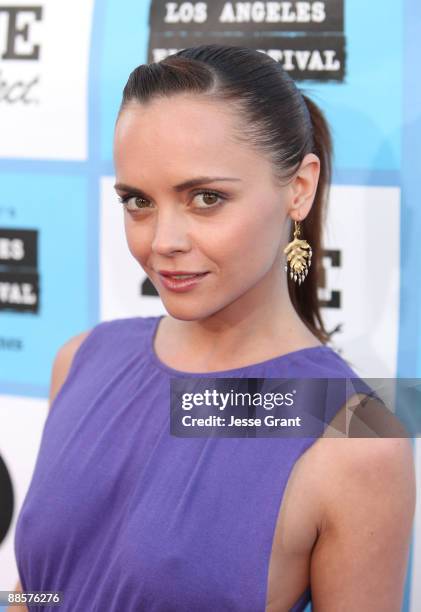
(18, 248)
(19, 278)
(307, 38)
(303, 57)
(218, 16)
(19, 292)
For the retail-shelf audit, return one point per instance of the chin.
(185, 312)
(184, 316)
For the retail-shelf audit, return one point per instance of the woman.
(216, 153)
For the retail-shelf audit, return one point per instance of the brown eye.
(133, 202)
(208, 198)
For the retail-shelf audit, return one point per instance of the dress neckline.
(311, 350)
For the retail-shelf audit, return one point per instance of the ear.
(304, 186)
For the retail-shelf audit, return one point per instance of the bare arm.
(360, 559)
(61, 366)
(62, 362)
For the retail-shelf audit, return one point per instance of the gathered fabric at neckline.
(311, 351)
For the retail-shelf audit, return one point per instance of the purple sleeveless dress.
(121, 515)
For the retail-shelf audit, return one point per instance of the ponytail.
(304, 297)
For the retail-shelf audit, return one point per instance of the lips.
(181, 273)
(171, 282)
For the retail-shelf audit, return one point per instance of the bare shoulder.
(377, 464)
(365, 465)
(367, 501)
(63, 361)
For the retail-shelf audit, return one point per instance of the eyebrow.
(181, 186)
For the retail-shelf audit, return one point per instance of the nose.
(170, 232)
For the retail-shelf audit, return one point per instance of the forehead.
(181, 132)
(174, 120)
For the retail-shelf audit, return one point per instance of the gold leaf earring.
(298, 256)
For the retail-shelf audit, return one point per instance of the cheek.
(136, 239)
(254, 238)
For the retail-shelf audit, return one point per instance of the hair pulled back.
(274, 117)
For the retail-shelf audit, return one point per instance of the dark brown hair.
(273, 116)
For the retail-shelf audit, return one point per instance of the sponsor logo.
(18, 44)
(334, 299)
(306, 38)
(19, 277)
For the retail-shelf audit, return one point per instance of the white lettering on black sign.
(18, 247)
(318, 54)
(19, 278)
(19, 292)
(327, 16)
(273, 12)
(304, 58)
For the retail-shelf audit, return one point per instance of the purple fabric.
(120, 515)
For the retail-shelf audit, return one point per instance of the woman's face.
(234, 231)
